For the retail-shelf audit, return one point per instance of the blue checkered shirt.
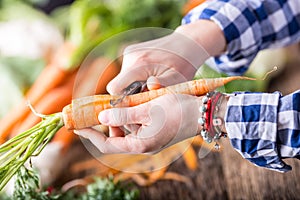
(264, 128)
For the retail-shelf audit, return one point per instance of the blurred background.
(79, 39)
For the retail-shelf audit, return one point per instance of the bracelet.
(209, 119)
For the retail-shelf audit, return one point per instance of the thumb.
(123, 80)
(153, 83)
(165, 79)
(123, 116)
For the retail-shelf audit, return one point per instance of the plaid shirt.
(249, 26)
(264, 128)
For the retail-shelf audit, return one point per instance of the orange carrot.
(52, 102)
(53, 75)
(65, 137)
(93, 79)
(190, 4)
(83, 112)
(100, 72)
(190, 158)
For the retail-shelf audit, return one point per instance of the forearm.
(206, 34)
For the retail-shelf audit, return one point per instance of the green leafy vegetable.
(16, 151)
(93, 21)
(16, 76)
(27, 184)
(18, 9)
(107, 189)
(27, 188)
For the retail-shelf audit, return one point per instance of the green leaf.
(26, 144)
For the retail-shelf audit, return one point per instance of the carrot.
(190, 158)
(190, 4)
(65, 137)
(83, 112)
(99, 73)
(53, 75)
(52, 102)
(94, 78)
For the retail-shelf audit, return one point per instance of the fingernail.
(103, 117)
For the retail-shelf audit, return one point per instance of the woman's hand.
(171, 59)
(153, 126)
(168, 119)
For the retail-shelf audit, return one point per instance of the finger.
(123, 116)
(132, 128)
(116, 132)
(153, 83)
(127, 144)
(98, 140)
(171, 77)
(124, 79)
(86, 131)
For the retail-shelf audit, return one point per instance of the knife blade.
(133, 88)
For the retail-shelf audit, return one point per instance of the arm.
(249, 26)
(150, 135)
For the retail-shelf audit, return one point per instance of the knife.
(133, 88)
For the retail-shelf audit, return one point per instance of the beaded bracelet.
(209, 119)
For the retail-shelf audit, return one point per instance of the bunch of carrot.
(143, 169)
(54, 76)
(83, 113)
(53, 90)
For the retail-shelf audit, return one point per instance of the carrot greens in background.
(27, 187)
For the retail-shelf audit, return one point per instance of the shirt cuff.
(251, 123)
(288, 135)
(241, 29)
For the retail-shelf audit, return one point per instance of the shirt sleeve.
(249, 26)
(265, 128)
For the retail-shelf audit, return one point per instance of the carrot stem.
(53, 75)
(16, 151)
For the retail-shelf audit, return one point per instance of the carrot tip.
(267, 74)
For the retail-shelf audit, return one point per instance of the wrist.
(222, 112)
(205, 33)
(212, 113)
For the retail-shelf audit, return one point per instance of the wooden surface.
(226, 175)
(204, 185)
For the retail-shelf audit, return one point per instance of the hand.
(153, 125)
(171, 59)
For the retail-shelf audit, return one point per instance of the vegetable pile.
(47, 81)
(78, 28)
(81, 114)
